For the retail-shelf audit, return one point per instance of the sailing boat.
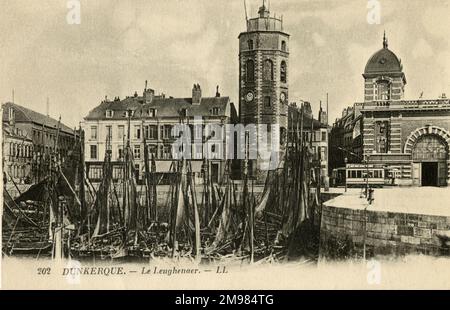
(274, 225)
(185, 233)
(42, 214)
(226, 222)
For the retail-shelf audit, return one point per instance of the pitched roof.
(165, 107)
(23, 114)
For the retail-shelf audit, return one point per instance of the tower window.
(268, 70)
(250, 44)
(283, 132)
(283, 46)
(267, 102)
(384, 90)
(283, 72)
(250, 71)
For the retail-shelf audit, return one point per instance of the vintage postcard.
(213, 144)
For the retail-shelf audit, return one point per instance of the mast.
(148, 198)
(246, 20)
(177, 205)
(58, 233)
(196, 215)
(301, 171)
(84, 212)
(103, 224)
(126, 199)
(207, 192)
(154, 200)
(248, 204)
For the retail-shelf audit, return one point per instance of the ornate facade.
(409, 138)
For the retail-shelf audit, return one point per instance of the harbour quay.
(400, 221)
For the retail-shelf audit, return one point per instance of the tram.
(359, 175)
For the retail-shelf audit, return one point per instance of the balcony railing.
(406, 104)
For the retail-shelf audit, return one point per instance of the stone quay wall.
(343, 233)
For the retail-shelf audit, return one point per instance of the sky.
(176, 43)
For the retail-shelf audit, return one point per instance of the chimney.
(217, 92)
(48, 107)
(196, 94)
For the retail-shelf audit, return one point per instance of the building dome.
(383, 61)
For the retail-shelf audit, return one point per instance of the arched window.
(283, 72)
(250, 71)
(384, 90)
(430, 148)
(283, 46)
(268, 70)
(250, 44)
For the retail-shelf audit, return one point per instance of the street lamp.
(345, 181)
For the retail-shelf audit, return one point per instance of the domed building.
(408, 139)
(383, 76)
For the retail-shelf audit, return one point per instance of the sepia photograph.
(226, 145)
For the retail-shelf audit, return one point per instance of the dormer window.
(215, 111)
(183, 112)
(129, 113)
(152, 112)
(109, 113)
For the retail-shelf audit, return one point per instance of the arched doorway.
(430, 155)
